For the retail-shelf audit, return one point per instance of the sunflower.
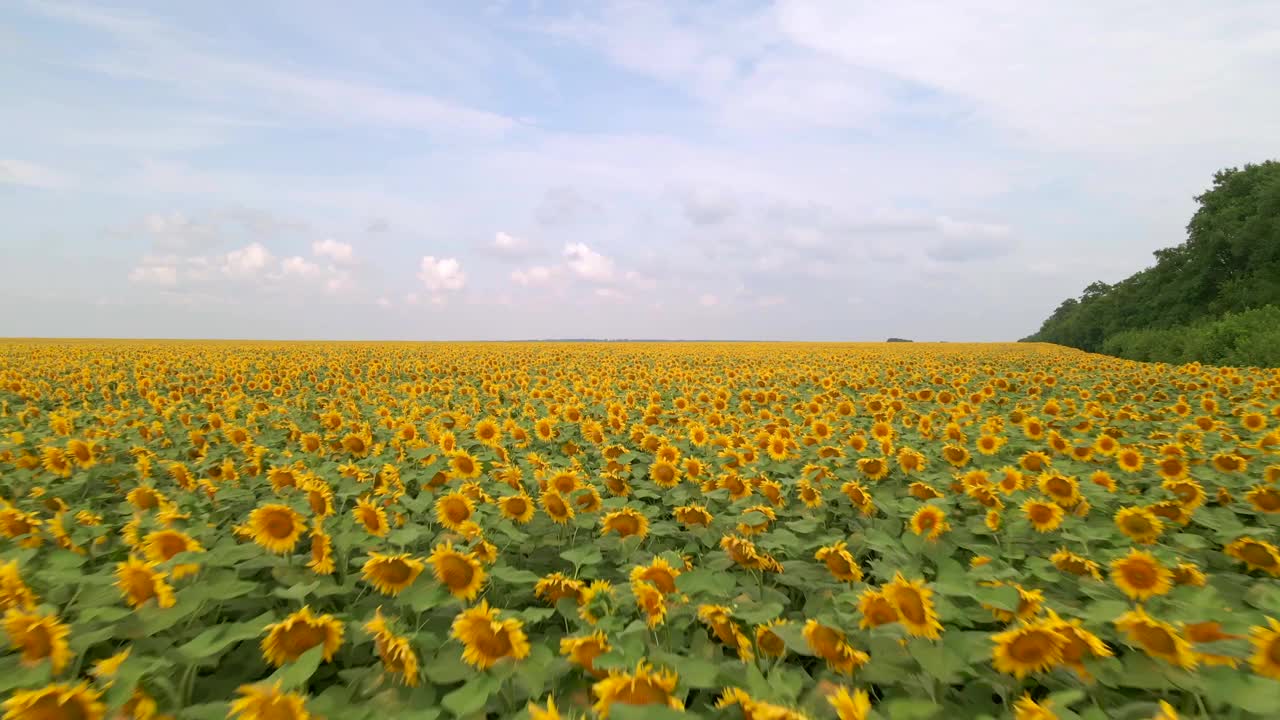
(139, 581)
(859, 496)
(357, 444)
(1265, 660)
(854, 705)
(1069, 562)
(583, 651)
(720, 620)
(556, 586)
(1264, 498)
(1034, 461)
(1026, 708)
(955, 455)
(692, 515)
(319, 496)
(839, 562)
(930, 521)
(873, 468)
(756, 519)
(395, 651)
(651, 601)
(1139, 524)
(486, 638)
(268, 702)
(162, 545)
(830, 644)
(391, 574)
(664, 474)
(463, 465)
(625, 522)
(1081, 644)
(39, 637)
(518, 508)
(1043, 516)
(744, 552)
(454, 509)
(1255, 554)
(1228, 463)
(923, 491)
(1140, 575)
(276, 527)
(1155, 638)
(1172, 467)
(84, 453)
(1029, 648)
(556, 508)
(1190, 493)
(290, 638)
(911, 601)
(321, 562)
(643, 686)
(1129, 459)
(1063, 489)
(876, 609)
(14, 592)
(596, 600)
(1030, 603)
(460, 572)
(55, 460)
(56, 702)
(768, 642)
(488, 432)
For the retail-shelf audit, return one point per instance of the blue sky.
(816, 170)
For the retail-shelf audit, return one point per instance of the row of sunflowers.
(282, 531)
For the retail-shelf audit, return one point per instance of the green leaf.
(586, 555)
(297, 673)
(472, 697)
(757, 613)
(909, 709)
(514, 576)
(705, 581)
(297, 591)
(1003, 597)
(214, 640)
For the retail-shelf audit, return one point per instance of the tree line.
(1215, 298)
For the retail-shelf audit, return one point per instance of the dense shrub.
(1250, 338)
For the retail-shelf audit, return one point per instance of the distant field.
(632, 530)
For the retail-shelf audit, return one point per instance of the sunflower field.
(281, 531)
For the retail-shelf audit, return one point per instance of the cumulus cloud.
(338, 252)
(300, 266)
(532, 276)
(163, 275)
(442, 274)
(587, 263)
(17, 172)
(508, 245)
(706, 207)
(247, 261)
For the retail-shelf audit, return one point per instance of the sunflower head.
(460, 572)
(391, 574)
(290, 638)
(276, 527)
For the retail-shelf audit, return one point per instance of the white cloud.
(164, 275)
(17, 172)
(384, 302)
(958, 228)
(708, 300)
(588, 263)
(533, 276)
(338, 252)
(441, 274)
(509, 244)
(297, 265)
(770, 300)
(247, 261)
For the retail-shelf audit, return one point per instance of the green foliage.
(1250, 338)
(1230, 263)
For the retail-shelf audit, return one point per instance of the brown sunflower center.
(1031, 647)
(910, 604)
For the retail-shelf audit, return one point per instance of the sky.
(482, 170)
